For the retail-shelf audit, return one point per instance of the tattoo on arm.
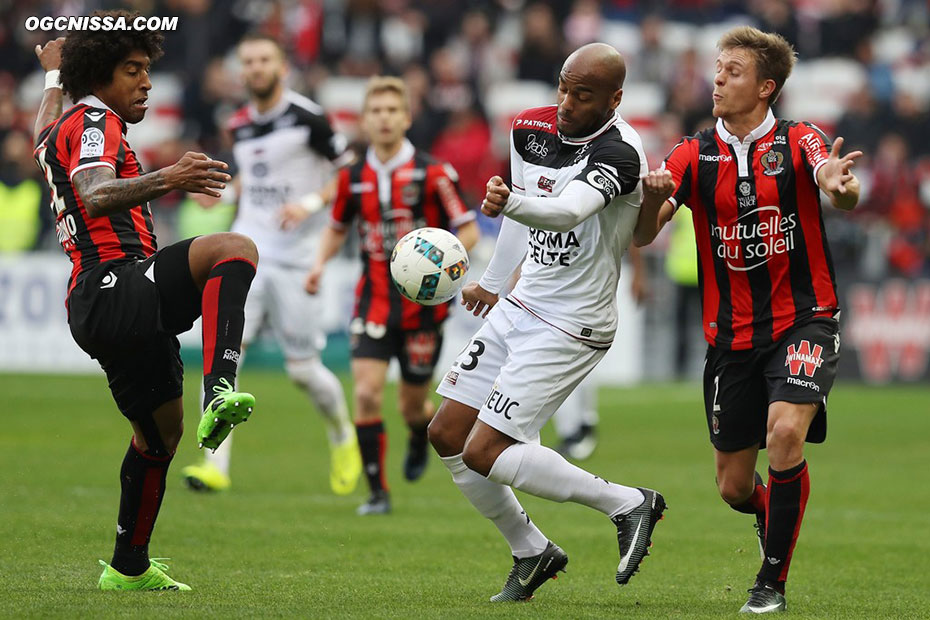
(49, 110)
(103, 194)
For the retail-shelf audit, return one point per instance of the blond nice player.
(287, 153)
(576, 197)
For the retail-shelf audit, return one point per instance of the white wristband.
(51, 79)
(311, 203)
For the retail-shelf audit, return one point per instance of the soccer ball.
(428, 266)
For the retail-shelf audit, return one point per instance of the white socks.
(326, 393)
(500, 505)
(542, 472)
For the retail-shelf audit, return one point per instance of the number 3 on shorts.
(476, 349)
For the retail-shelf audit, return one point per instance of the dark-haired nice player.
(126, 299)
(576, 196)
(770, 306)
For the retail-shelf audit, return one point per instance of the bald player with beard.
(575, 199)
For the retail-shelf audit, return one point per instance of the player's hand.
(475, 299)
(50, 54)
(658, 186)
(195, 173)
(496, 198)
(835, 175)
(291, 215)
(312, 284)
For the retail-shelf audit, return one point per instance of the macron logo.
(231, 355)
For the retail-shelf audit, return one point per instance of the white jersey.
(283, 155)
(569, 279)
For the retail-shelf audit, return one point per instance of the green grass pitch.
(279, 544)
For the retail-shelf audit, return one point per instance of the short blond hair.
(773, 54)
(386, 84)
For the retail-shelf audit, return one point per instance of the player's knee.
(443, 437)
(368, 401)
(734, 491)
(475, 458)
(786, 435)
(236, 245)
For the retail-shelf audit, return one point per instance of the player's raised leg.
(223, 266)
(535, 558)
(142, 482)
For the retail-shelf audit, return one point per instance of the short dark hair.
(89, 57)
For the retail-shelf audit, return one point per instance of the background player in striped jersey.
(771, 313)
(127, 299)
(576, 196)
(286, 153)
(393, 190)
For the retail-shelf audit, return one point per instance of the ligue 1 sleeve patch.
(92, 143)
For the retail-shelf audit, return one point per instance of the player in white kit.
(576, 171)
(286, 153)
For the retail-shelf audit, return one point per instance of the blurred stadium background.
(864, 73)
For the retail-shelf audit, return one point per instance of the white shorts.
(277, 295)
(517, 370)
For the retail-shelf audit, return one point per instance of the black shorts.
(126, 315)
(416, 350)
(740, 385)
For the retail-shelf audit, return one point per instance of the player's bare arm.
(330, 243)
(103, 194)
(836, 179)
(655, 210)
(50, 108)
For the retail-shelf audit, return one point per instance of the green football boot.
(227, 409)
(154, 578)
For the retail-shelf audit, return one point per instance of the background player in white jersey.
(575, 171)
(286, 153)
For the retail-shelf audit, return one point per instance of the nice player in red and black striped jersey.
(768, 287)
(127, 300)
(394, 190)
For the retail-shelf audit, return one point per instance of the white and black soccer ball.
(428, 266)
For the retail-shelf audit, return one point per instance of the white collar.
(404, 155)
(753, 135)
(610, 122)
(95, 102)
(275, 111)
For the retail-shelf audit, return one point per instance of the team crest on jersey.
(91, 143)
(545, 184)
(410, 194)
(772, 162)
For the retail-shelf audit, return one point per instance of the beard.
(263, 93)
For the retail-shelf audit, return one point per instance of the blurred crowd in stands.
(864, 73)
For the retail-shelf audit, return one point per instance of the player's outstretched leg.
(222, 303)
(543, 472)
(528, 574)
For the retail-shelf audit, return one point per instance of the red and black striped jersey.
(764, 261)
(390, 199)
(87, 135)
